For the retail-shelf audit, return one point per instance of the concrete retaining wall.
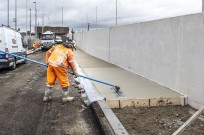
(168, 51)
(95, 43)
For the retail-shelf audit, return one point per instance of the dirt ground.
(22, 111)
(161, 120)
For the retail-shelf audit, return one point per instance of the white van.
(11, 41)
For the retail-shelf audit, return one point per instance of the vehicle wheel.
(25, 61)
(42, 50)
(13, 67)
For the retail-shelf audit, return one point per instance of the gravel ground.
(161, 120)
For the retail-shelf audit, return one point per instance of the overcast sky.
(76, 13)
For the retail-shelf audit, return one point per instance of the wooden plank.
(134, 102)
(189, 121)
(113, 103)
(165, 101)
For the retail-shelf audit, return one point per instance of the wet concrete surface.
(134, 86)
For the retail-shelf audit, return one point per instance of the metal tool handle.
(45, 65)
(94, 79)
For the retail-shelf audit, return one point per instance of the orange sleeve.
(48, 53)
(71, 61)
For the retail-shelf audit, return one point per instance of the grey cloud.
(76, 11)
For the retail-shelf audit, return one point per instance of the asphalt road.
(23, 112)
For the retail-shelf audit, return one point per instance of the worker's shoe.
(76, 81)
(47, 97)
(65, 96)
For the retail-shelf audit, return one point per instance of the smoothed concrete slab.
(138, 90)
(130, 84)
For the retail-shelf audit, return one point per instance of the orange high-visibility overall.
(59, 58)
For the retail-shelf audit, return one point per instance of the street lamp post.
(27, 22)
(88, 22)
(96, 17)
(26, 16)
(8, 15)
(42, 24)
(72, 34)
(30, 30)
(116, 19)
(38, 12)
(43, 15)
(49, 21)
(62, 16)
(15, 14)
(35, 20)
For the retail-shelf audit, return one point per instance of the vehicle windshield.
(58, 38)
(47, 37)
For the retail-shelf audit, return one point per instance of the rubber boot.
(47, 96)
(65, 96)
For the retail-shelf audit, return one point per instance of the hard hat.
(68, 44)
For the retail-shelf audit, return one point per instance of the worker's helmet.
(68, 44)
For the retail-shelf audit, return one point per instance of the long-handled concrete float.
(115, 88)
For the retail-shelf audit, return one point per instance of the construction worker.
(59, 58)
(36, 44)
(73, 42)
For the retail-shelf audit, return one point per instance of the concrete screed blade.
(118, 93)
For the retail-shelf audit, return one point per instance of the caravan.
(11, 41)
